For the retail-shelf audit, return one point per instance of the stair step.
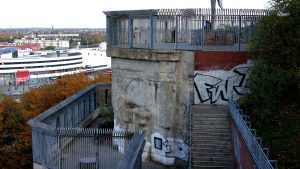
(213, 163)
(211, 150)
(201, 137)
(215, 155)
(202, 133)
(227, 158)
(212, 167)
(224, 122)
(223, 142)
(204, 126)
(196, 119)
(211, 130)
(215, 115)
(205, 108)
(218, 146)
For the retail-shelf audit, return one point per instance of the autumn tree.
(11, 125)
(15, 134)
(104, 77)
(70, 85)
(275, 82)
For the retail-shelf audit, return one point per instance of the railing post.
(203, 33)
(59, 150)
(152, 31)
(130, 29)
(108, 30)
(176, 32)
(239, 37)
(190, 131)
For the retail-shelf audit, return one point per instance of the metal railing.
(253, 143)
(185, 29)
(133, 158)
(60, 142)
(189, 138)
(79, 148)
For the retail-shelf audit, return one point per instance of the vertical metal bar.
(108, 31)
(176, 31)
(203, 33)
(190, 130)
(151, 31)
(59, 150)
(97, 151)
(130, 32)
(108, 142)
(72, 148)
(186, 30)
(239, 37)
(79, 143)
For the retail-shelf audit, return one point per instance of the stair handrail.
(255, 149)
(190, 131)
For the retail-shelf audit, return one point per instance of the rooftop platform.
(183, 29)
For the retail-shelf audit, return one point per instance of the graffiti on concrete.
(215, 87)
(165, 149)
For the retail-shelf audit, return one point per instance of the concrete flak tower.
(164, 60)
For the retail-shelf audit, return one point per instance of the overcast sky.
(88, 13)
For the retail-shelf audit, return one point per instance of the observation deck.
(183, 29)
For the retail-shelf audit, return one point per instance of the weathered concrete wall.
(219, 75)
(151, 91)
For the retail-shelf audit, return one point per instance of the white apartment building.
(57, 43)
(59, 35)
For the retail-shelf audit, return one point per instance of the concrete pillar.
(151, 91)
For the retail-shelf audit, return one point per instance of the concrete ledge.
(38, 166)
(144, 54)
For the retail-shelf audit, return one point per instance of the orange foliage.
(15, 135)
(11, 125)
(39, 100)
(104, 77)
(11, 117)
(69, 85)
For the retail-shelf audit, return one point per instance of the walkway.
(211, 145)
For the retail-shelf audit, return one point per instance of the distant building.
(59, 35)
(45, 65)
(32, 47)
(43, 42)
(23, 49)
(8, 34)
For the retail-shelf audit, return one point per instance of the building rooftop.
(7, 50)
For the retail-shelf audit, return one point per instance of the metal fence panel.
(79, 148)
(185, 29)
